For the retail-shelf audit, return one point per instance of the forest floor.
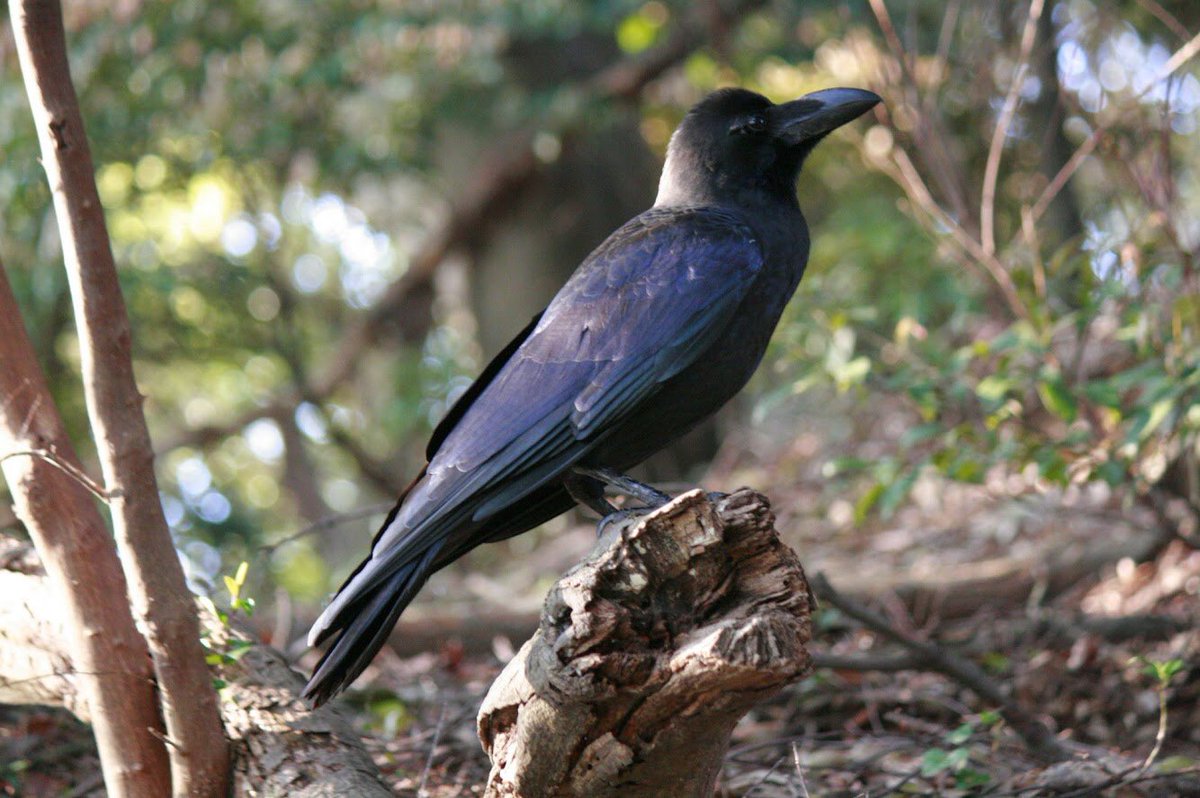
(1079, 604)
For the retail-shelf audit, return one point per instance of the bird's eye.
(753, 124)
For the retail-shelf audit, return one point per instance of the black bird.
(662, 324)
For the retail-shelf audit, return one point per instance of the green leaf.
(969, 779)
(934, 762)
(993, 388)
(1058, 399)
(232, 586)
(898, 491)
(960, 735)
(637, 32)
(852, 372)
(1103, 393)
(996, 662)
(865, 502)
(1111, 472)
(1154, 418)
(957, 758)
(1163, 670)
(919, 434)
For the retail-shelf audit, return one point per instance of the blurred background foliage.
(329, 215)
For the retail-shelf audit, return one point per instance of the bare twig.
(914, 186)
(1167, 18)
(70, 469)
(991, 172)
(882, 663)
(437, 737)
(328, 522)
(153, 573)
(945, 36)
(1161, 735)
(1037, 737)
(929, 130)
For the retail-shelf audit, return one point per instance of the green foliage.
(1161, 671)
(234, 585)
(232, 647)
(955, 759)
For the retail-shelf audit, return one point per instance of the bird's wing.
(639, 310)
(464, 402)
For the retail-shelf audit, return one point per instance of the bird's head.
(736, 145)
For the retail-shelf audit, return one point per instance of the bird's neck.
(691, 185)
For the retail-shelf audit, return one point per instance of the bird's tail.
(365, 626)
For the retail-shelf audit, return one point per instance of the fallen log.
(648, 654)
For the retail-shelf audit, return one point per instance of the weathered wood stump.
(647, 655)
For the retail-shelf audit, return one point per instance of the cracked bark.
(648, 654)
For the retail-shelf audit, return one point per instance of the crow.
(658, 328)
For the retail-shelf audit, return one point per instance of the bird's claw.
(620, 517)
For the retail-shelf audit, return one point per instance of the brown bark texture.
(157, 592)
(280, 748)
(648, 654)
(111, 677)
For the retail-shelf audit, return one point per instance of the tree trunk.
(648, 654)
(154, 577)
(112, 679)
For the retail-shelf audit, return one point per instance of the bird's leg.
(586, 486)
(627, 485)
(589, 492)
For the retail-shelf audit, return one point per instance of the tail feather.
(367, 631)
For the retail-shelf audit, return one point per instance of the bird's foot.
(621, 517)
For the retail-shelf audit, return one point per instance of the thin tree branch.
(1167, 18)
(155, 578)
(991, 172)
(74, 472)
(914, 186)
(928, 128)
(328, 522)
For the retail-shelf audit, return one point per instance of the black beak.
(814, 115)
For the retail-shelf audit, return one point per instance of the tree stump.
(648, 654)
